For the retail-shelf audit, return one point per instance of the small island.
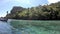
(45, 12)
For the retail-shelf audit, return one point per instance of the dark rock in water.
(3, 19)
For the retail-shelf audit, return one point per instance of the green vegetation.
(36, 27)
(46, 12)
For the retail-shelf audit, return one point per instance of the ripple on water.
(5, 28)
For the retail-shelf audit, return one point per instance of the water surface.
(36, 27)
(5, 28)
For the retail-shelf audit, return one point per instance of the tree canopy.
(46, 12)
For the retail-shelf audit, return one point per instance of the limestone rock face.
(16, 8)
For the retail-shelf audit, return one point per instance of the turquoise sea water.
(35, 27)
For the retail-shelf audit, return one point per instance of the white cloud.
(52, 1)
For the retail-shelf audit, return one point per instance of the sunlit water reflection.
(5, 28)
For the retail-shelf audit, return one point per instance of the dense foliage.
(45, 12)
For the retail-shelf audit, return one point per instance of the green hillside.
(45, 12)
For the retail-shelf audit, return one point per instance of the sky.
(7, 5)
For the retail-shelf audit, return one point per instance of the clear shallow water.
(36, 27)
(29, 27)
(5, 28)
